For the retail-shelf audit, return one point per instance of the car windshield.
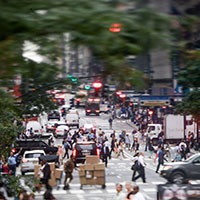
(35, 155)
(191, 157)
(88, 126)
(85, 147)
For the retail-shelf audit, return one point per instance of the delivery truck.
(174, 128)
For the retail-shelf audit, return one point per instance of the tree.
(189, 79)
(45, 22)
(7, 116)
(88, 24)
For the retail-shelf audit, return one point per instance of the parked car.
(30, 159)
(82, 149)
(32, 144)
(181, 172)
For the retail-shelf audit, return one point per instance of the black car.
(182, 172)
(54, 115)
(32, 144)
(82, 149)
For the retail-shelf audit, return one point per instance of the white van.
(72, 118)
(36, 127)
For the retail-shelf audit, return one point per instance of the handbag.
(133, 167)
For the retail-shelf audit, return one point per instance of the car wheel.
(178, 178)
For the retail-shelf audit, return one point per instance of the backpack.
(67, 145)
(68, 167)
(110, 120)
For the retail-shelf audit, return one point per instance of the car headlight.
(167, 167)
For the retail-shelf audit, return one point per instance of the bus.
(92, 106)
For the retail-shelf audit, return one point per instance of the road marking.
(80, 197)
(149, 189)
(158, 182)
(147, 197)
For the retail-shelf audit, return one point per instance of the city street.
(118, 170)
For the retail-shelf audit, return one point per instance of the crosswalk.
(90, 190)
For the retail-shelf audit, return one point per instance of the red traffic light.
(115, 28)
(150, 112)
(118, 92)
(97, 85)
(122, 95)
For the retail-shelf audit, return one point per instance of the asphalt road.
(118, 170)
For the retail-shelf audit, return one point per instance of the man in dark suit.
(105, 154)
(46, 174)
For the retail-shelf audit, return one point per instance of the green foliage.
(7, 128)
(13, 184)
(190, 105)
(189, 78)
(45, 22)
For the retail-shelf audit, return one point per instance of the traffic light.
(73, 79)
(105, 90)
(71, 102)
(115, 28)
(87, 87)
(150, 112)
(97, 86)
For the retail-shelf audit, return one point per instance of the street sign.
(154, 100)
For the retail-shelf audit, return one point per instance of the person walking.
(105, 154)
(183, 147)
(67, 147)
(60, 154)
(121, 149)
(129, 190)
(148, 139)
(137, 194)
(110, 121)
(151, 149)
(2, 162)
(141, 170)
(127, 141)
(161, 157)
(48, 195)
(68, 168)
(120, 195)
(46, 171)
(12, 162)
(135, 145)
(112, 146)
(135, 166)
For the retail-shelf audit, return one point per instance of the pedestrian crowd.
(132, 192)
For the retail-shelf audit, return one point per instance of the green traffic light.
(87, 87)
(74, 79)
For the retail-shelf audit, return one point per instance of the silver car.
(30, 159)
